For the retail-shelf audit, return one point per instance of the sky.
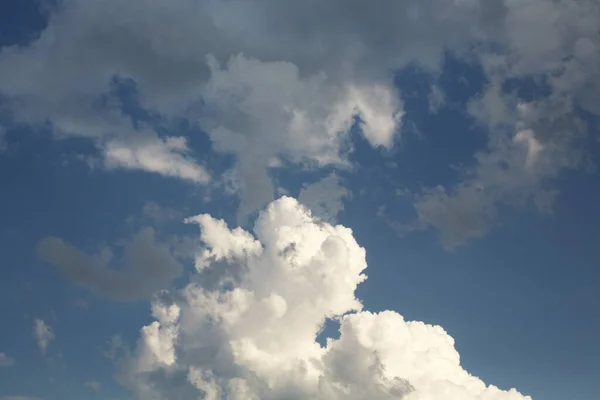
(249, 199)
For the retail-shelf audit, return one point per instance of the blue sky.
(460, 147)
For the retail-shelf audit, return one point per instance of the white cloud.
(251, 333)
(380, 112)
(148, 265)
(43, 334)
(262, 111)
(162, 156)
(6, 361)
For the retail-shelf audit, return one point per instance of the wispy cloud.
(6, 361)
(43, 334)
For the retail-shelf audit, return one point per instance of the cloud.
(160, 214)
(269, 91)
(94, 385)
(531, 141)
(264, 111)
(531, 144)
(2, 139)
(6, 361)
(251, 333)
(148, 266)
(43, 334)
(281, 94)
(324, 197)
(380, 112)
(162, 156)
(115, 344)
(19, 398)
(436, 99)
(82, 304)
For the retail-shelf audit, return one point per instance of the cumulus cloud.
(43, 334)
(6, 361)
(245, 327)
(148, 266)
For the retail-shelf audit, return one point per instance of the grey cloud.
(161, 214)
(324, 197)
(148, 266)
(530, 142)
(350, 44)
(522, 161)
(436, 98)
(278, 90)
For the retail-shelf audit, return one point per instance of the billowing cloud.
(245, 327)
(6, 361)
(43, 334)
(148, 266)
